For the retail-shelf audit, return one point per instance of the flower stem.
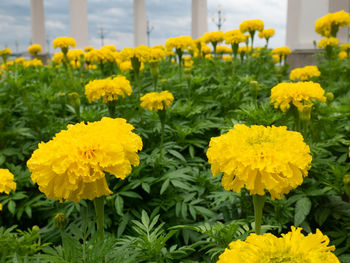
(258, 201)
(162, 117)
(99, 210)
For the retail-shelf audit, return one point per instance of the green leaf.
(12, 207)
(119, 204)
(177, 155)
(145, 218)
(302, 209)
(131, 194)
(164, 186)
(146, 187)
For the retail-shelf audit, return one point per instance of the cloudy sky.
(169, 18)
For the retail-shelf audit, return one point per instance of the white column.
(38, 23)
(199, 18)
(335, 6)
(301, 17)
(79, 22)
(140, 23)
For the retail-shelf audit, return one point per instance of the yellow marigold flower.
(7, 65)
(276, 58)
(156, 54)
(342, 55)
(292, 247)
(64, 43)
(57, 58)
(260, 158)
(304, 73)
(345, 47)
(5, 51)
(33, 63)
(300, 93)
(251, 25)
(329, 24)
(208, 56)
(142, 53)
(108, 89)
(205, 49)
(88, 48)
(227, 58)
(244, 49)
(179, 43)
(155, 101)
(6, 181)
(267, 33)
(75, 54)
(234, 37)
(325, 42)
(223, 49)
(188, 63)
(213, 37)
(20, 60)
(91, 66)
(34, 49)
(281, 51)
(110, 47)
(72, 165)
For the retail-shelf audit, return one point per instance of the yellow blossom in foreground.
(75, 54)
(88, 48)
(34, 49)
(345, 47)
(281, 51)
(234, 37)
(108, 89)
(342, 55)
(325, 42)
(260, 158)
(267, 33)
(72, 165)
(181, 43)
(6, 181)
(33, 63)
(251, 25)
(57, 57)
(223, 49)
(227, 58)
(110, 47)
(142, 53)
(329, 24)
(304, 73)
(292, 247)
(213, 37)
(244, 49)
(155, 101)
(276, 58)
(64, 42)
(300, 93)
(5, 51)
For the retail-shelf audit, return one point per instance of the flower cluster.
(142, 53)
(155, 101)
(304, 73)
(181, 43)
(292, 247)
(251, 25)
(267, 33)
(260, 158)
(6, 181)
(329, 24)
(64, 43)
(342, 55)
(108, 89)
(72, 165)
(213, 37)
(328, 41)
(156, 54)
(5, 51)
(281, 51)
(234, 37)
(300, 93)
(223, 49)
(345, 47)
(34, 49)
(75, 54)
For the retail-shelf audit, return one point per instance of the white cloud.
(54, 25)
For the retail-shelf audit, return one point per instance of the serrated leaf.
(145, 218)
(302, 209)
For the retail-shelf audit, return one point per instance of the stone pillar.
(79, 22)
(199, 18)
(38, 23)
(335, 6)
(140, 23)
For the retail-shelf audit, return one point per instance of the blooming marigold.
(64, 43)
(72, 165)
(342, 55)
(281, 51)
(325, 42)
(57, 58)
(179, 43)
(213, 37)
(292, 247)
(155, 101)
(75, 54)
(223, 49)
(304, 73)
(298, 94)
(6, 181)
(88, 48)
(251, 25)
(345, 47)
(234, 37)
(142, 53)
(267, 33)
(329, 24)
(109, 89)
(5, 51)
(34, 49)
(260, 158)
